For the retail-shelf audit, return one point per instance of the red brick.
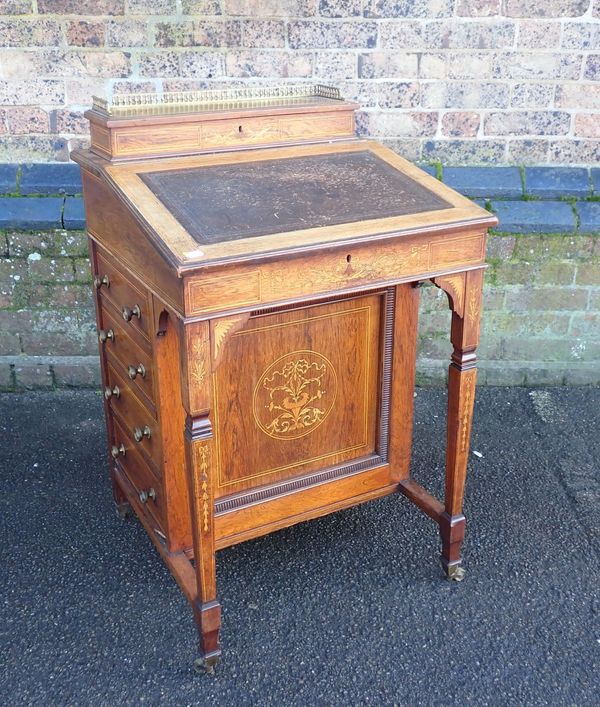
(587, 125)
(166, 7)
(82, 7)
(537, 34)
(80, 90)
(193, 7)
(128, 33)
(219, 33)
(527, 152)
(27, 120)
(400, 124)
(537, 65)
(592, 67)
(129, 86)
(340, 8)
(393, 65)
(84, 33)
(270, 8)
(30, 33)
(33, 148)
(578, 96)
(15, 7)
(69, 121)
(458, 34)
(547, 8)
(274, 64)
(408, 8)
(73, 62)
(333, 66)
(399, 95)
(527, 123)
(311, 34)
(460, 124)
(263, 33)
(159, 64)
(584, 151)
(402, 34)
(478, 8)
(199, 65)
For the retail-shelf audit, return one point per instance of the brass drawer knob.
(109, 392)
(118, 451)
(105, 334)
(145, 495)
(132, 371)
(128, 313)
(99, 281)
(139, 433)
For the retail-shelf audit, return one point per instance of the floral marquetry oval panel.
(297, 392)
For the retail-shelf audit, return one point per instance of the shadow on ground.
(345, 610)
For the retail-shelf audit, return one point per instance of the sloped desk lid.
(250, 203)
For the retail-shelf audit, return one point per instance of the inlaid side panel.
(298, 391)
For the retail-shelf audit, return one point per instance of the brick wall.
(541, 323)
(456, 81)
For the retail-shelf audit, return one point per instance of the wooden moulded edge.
(190, 255)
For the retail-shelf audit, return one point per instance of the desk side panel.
(112, 225)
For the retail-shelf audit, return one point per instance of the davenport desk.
(256, 269)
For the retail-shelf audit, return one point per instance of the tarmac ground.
(350, 609)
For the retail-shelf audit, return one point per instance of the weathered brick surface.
(541, 323)
(497, 81)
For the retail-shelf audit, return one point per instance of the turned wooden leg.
(465, 291)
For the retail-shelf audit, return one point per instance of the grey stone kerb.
(526, 200)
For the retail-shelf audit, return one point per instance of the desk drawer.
(131, 302)
(264, 130)
(127, 357)
(139, 472)
(140, 423)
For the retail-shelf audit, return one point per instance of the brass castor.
(456, 574)
(123, 510)
(205, 665)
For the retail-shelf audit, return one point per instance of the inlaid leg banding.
(465, 294)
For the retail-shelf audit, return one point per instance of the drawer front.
(138, 471)
(129, 359)
(189, 137)
(254, 131)
(319, 273)
(131, 302)
(140, 424)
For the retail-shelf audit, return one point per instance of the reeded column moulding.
(256, 268)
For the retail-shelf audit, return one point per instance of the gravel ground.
(351, 609)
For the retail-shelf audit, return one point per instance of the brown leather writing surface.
(232, 201)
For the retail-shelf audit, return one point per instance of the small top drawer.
(131, 301)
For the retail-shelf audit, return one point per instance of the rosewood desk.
(256, 269)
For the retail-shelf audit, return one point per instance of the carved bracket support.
(220, 330)
(454, 287)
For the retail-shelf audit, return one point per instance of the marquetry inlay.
(295, 395)
(203, 453)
